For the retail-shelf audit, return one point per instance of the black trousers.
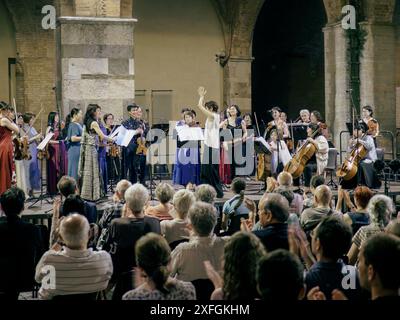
(309, 171)
(134, 165)
(210, 170)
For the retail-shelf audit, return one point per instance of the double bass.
(299, 161)
(349, 167)
(264, 161)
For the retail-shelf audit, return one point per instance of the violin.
(141, 143)
(349, 167)
(299, 161)
(114, 151)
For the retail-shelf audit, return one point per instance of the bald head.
(285, 179)
(74, 231)
(323, 195)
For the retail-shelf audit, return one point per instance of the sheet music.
(190, 134)
(264, 143)
(124, 136)
(116, 132)
(45, 141)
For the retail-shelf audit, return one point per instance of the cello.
(296, 166)
(349, 167)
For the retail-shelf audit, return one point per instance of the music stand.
(299, 132)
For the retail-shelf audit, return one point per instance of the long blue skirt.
(187, 166)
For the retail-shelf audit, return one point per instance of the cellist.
(319, 160)
(366, 174)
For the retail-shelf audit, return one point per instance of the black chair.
(204, 289)
(174, 244)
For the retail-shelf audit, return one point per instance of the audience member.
(176, 229)
(310, 217)
(21, 246)
(285, 181)
(242, 253)
(394, 227)
(331, 240)
(204, 245)
(164, 210)
(67, 265)
(205, 193)
(152, 259)
(234, 209)
(380, 209)
(289, 286)
(315, 182)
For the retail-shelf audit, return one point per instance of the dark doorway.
(288, 47)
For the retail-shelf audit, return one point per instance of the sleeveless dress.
(6, 159)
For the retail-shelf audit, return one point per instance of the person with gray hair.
(205, 193)
(164, 210)
(60, 270)
(273, 212)
(380, 209)
(304, 116)
(113, 211)
(176, 229)
(187, 258)
(125, 232)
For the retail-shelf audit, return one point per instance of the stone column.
(237, 82)
(95, 63)
(378, 73)
(337, 108)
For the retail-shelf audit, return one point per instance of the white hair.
(74, 230)
(304, 111)
(205, 193)
(182, 201)
(122, 186)
(136, 197)
(380, 208)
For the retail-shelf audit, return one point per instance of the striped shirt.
(364, 233)
(76, 272)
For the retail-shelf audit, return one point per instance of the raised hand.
(315, 294)
(338, 295)
(202, 92)
(250, 204)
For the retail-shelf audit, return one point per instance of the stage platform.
(41, 213)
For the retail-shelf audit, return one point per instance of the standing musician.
(133, 162)
(7, 128)
(278, 161)
(366, 174)
(319, 160)
(113, 151)
(278, 124)
(373, 125)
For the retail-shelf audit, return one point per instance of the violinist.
(304, 116)
(366, 174)
(187, 166)
(278, 124)
(102, 151)
(284, 155)
(319, 160)
(31, 165)
(113, 151)
(21, 153)
(373, 125)
(7, 128)
(134, 163)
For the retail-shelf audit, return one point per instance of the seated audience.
(67, 263)
(164, 210)
(394, 227)
(273, 212)
(242, 253)
(152, 259)
(21, 247)
(204, 245)
(380, 209)
(315, 182)
(68, 186)
(125, 232)
(358, 216)
(379, 265)
(287, 287)
(310, 217)
(112, 212)
(331, 240)
(205, 193)
(234, 209)
(285, 181)
(176, 229)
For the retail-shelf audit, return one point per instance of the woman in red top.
(7, 127)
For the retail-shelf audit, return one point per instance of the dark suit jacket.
(21, 247)
(274, 236)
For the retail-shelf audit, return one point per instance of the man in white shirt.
(74, 269)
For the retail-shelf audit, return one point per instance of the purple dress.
(102, 151)
(57, 165)
(32, 166)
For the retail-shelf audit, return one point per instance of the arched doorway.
(7, 51)
(288, 47)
